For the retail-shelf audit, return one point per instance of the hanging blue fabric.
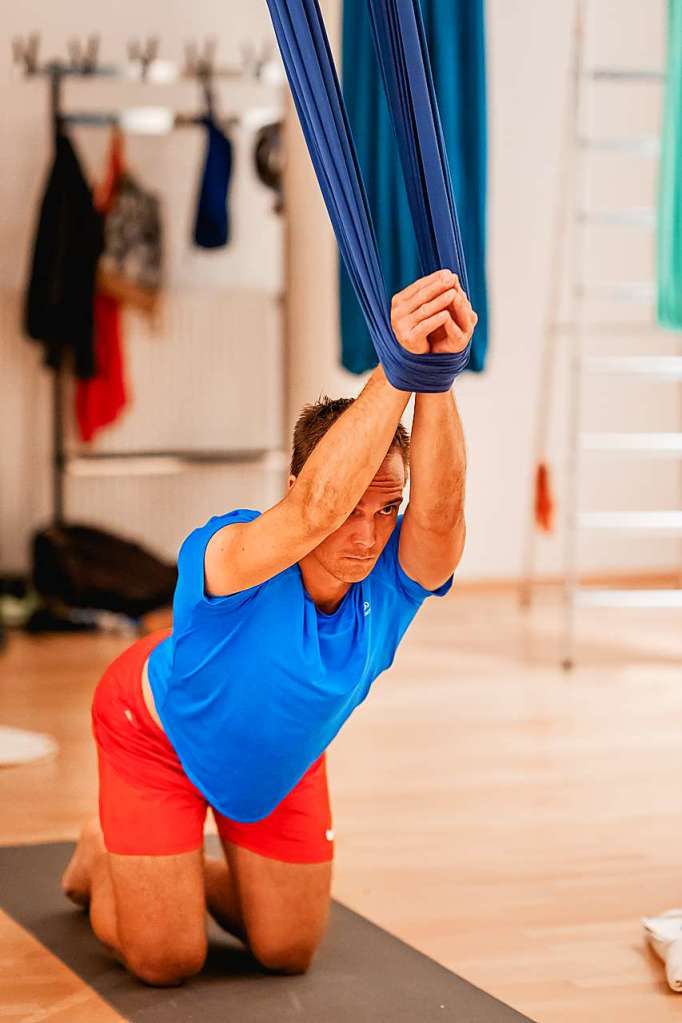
(212, 221)
(401, 44)
(455, 35)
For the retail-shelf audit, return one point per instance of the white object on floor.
(664, 933)
(20, 747)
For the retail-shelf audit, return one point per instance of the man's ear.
(290, 482)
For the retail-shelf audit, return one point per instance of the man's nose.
(363, 535)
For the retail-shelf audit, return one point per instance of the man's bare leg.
(284, 906)
(87, 882)
(139, 904)
(76, 879)
(221, 897)
(90, 864)
(150, 911)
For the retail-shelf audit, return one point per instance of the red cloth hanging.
(101, 399)
(544, 499)
(104, 196)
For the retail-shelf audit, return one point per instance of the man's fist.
(433, 315)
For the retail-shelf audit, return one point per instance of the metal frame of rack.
(580, 144)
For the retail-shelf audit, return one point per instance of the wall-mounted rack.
(144, 65)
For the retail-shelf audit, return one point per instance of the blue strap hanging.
(401, 48)
(212, 219)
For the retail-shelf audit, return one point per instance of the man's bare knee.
(283, 957)
(165, 968)
(104, 926)
(160, 915)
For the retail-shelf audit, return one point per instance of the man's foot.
(76, 877)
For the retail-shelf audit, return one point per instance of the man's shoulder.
(230, 517)
(216, 522)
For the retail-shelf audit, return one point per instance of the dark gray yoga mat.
(361, 973)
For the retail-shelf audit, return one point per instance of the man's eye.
(389, 509)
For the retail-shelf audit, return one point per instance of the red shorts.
(149, 807)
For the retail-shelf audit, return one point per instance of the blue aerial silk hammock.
(399, 35)
(455, 33)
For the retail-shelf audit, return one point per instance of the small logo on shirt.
(329, 835)
(366, 608)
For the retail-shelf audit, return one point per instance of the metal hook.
(202, 67)
(263, 58)
(56, 78)
(83, 58)
(26, 52)
(254, 59)
(91, 54)
(200, 63)
(144, 55)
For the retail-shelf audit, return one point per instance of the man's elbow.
(458, 542)
(461, 533)
(451, 549)
(461, 543)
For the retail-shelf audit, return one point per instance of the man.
(282, 621)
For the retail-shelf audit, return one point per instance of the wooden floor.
(510, 821)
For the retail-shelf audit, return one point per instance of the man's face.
(350, 552)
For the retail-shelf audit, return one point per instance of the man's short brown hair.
(314, 421)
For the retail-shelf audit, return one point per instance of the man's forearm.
(437, 464)
(346, 459)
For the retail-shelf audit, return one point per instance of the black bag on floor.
(82, 566)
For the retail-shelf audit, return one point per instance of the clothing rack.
(143, 67)
(141, 120)
(144, 63)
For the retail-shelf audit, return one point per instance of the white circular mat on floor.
(20, 747)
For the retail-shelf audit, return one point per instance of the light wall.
(529, 58)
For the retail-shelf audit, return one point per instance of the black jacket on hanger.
(66, 250)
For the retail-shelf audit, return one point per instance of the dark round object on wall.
(269, 160)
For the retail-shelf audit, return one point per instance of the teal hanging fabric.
(669, 240)
(455, 37)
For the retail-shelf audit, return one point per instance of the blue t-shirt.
(252, 687)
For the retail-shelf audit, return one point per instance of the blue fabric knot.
(400, 43)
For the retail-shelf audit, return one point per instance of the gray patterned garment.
(133, 236)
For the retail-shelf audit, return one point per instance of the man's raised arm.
(433, 531)
(330, 484)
